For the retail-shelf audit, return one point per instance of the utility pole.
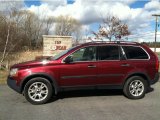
(156, 25)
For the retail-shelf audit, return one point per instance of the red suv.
(130, 66)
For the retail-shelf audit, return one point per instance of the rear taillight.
(157, 63)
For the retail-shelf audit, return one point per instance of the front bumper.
(156, 78)
(12, 84)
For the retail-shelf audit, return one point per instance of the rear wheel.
(38, 90)
(135, 87)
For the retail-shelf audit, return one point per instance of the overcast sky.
(136, 13)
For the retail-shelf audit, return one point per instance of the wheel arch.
(43, 75)
(141, 74)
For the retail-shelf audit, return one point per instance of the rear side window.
(133, 52)
(108, 53)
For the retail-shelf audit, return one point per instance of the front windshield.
(62, 53)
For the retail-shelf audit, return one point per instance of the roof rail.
(118, 42)
(128, 42)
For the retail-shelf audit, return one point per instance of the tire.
(135, 87)
(38, 91)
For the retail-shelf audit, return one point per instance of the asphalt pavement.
(81, 105)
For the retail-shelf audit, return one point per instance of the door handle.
(125, 65)
(91, 66)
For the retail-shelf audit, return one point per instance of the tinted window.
(84, 54)
(135, 52)
(108, 53)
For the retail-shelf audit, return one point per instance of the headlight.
(13, 71)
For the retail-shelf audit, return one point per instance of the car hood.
(33, 63)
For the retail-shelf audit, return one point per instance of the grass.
(3, 76)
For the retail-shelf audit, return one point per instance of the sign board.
(55, 44)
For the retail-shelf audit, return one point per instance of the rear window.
(133, 52)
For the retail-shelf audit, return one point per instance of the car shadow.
(90, 93)
(150, 89)
(85, 93)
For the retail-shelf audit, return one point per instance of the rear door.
(111, 69)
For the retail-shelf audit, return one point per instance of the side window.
(134, 52)
(84, 54)
(108, 53)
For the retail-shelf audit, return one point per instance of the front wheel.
(135, 87)
(38, 91)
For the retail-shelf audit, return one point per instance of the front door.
(82, 71)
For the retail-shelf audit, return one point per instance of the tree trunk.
(5, 47)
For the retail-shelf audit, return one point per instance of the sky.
(137, 14)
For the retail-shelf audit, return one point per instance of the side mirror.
(69, 59)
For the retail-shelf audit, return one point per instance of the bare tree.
(48, 24)
(6, 43)
(112, 28)
(20, 30)
(8, 26)
(32, 28)
(25, 27)
(66, 26)
(8, 32)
